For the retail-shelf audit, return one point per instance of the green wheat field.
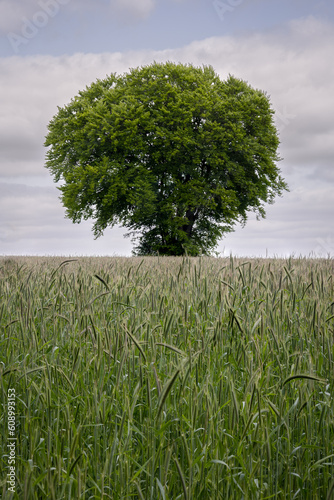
(168, 378)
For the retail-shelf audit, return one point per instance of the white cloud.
(298, 223)
(299, 81)
(24, 18)
(292, 65)
(16, 14)
(13, 12)
(32, 222)
(133, 8)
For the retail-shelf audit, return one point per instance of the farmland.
(168, 378)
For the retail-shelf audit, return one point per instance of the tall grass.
(169, 378)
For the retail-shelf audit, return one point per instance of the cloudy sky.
(51, 49)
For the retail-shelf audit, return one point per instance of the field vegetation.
(168, 378)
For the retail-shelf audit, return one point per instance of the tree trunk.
(191, 216)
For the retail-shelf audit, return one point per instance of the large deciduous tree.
(170, 152)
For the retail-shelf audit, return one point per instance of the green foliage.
(168, 378)
(170, 152)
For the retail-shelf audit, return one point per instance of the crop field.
(166, 378)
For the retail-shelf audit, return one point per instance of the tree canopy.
(169, 151)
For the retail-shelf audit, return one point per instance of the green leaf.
(304, 376)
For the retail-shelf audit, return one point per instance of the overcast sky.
(51, 49)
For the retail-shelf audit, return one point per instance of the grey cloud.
(303, 101)
(297, 75)
(298, 223)
(288, 64)
(21, 20)
(32, 222)
(27, 104)
(13, 12)
(133, 8)
(18, 141)
(23, 207)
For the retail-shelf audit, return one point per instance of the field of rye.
(168, 378)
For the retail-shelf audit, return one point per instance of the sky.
(52, 49)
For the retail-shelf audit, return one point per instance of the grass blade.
(304, 376)
(165, 391)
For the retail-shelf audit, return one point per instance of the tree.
(170, 152)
